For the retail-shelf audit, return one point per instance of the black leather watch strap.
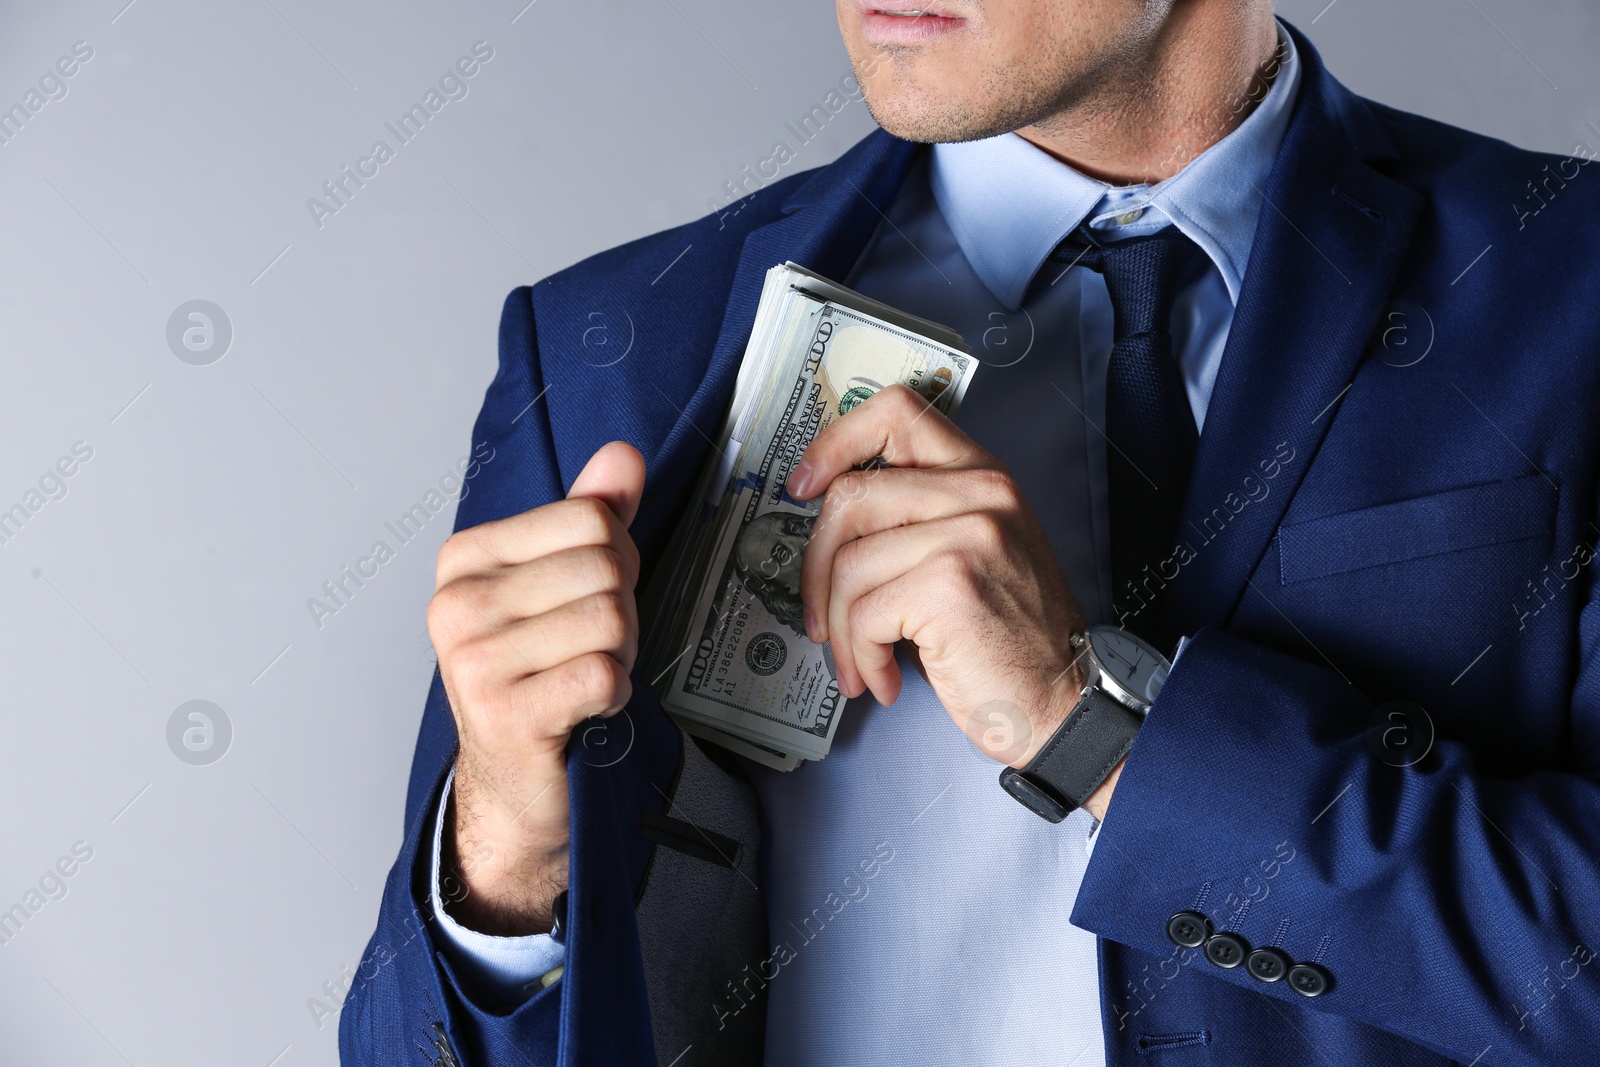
(1076, 759)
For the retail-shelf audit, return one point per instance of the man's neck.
(1202, 75)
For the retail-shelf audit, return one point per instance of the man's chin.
(916, 121)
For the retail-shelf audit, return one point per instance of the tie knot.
(1142, 273)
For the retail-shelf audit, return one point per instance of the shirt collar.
(1010, 203)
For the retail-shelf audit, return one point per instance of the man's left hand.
(941, 549)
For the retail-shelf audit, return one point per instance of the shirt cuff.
(507, 968)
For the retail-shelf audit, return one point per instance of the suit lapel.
(1329, 244)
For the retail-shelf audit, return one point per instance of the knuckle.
(827, 512)
(628, 552)
(595, 681)
(527, 704)
(997, 488)
(608, 617)
(852, 485)
(439, 614)
(456, 548)
(589, 520)
(873, 657)
(860, 614)
(606, 568)
(848, 563)
(448, 610)
(903, 398)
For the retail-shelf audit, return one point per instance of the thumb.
(614, 474)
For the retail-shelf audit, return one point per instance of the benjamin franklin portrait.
(767, 557)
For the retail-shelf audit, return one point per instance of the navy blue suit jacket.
(1394, 500)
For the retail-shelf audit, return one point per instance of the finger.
(614, 474)
(601, 622)
(870, 563)
(553, 702)
(532, 719)
(878, 620)
(485, 665)
(539, 532)
(477, 604)
(898, 610)
(859, 503)
(530, 724)
(894, 423)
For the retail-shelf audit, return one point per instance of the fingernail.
(800, 480)
(811, 627)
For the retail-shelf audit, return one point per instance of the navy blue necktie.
(1150, 431)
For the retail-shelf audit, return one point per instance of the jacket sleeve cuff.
(1234, 758)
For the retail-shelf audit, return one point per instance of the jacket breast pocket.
(1455, 520)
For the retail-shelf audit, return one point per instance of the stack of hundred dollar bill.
(723, 633)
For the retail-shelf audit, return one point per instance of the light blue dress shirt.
(958, 949)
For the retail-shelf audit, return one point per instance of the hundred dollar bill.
(725, 642)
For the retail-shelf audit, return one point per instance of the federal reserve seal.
(765, 653)
(853, 396)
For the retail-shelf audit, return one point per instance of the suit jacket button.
(1309, 980)
(1188, 929)
(1267, 965)
(1225, 950)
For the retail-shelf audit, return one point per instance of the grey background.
(220, 897)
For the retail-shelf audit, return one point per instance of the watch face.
(1131, 663)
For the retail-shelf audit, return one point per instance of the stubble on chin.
(1001, 101)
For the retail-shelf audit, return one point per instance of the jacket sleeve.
(1451, 908)
(406, 1004)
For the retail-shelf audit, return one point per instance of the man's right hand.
(536, 628)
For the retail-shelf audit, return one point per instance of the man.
(768, 555)
(1286, 375)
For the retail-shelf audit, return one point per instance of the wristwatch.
(1122, 674)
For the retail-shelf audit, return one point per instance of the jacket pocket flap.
(1474, 516)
